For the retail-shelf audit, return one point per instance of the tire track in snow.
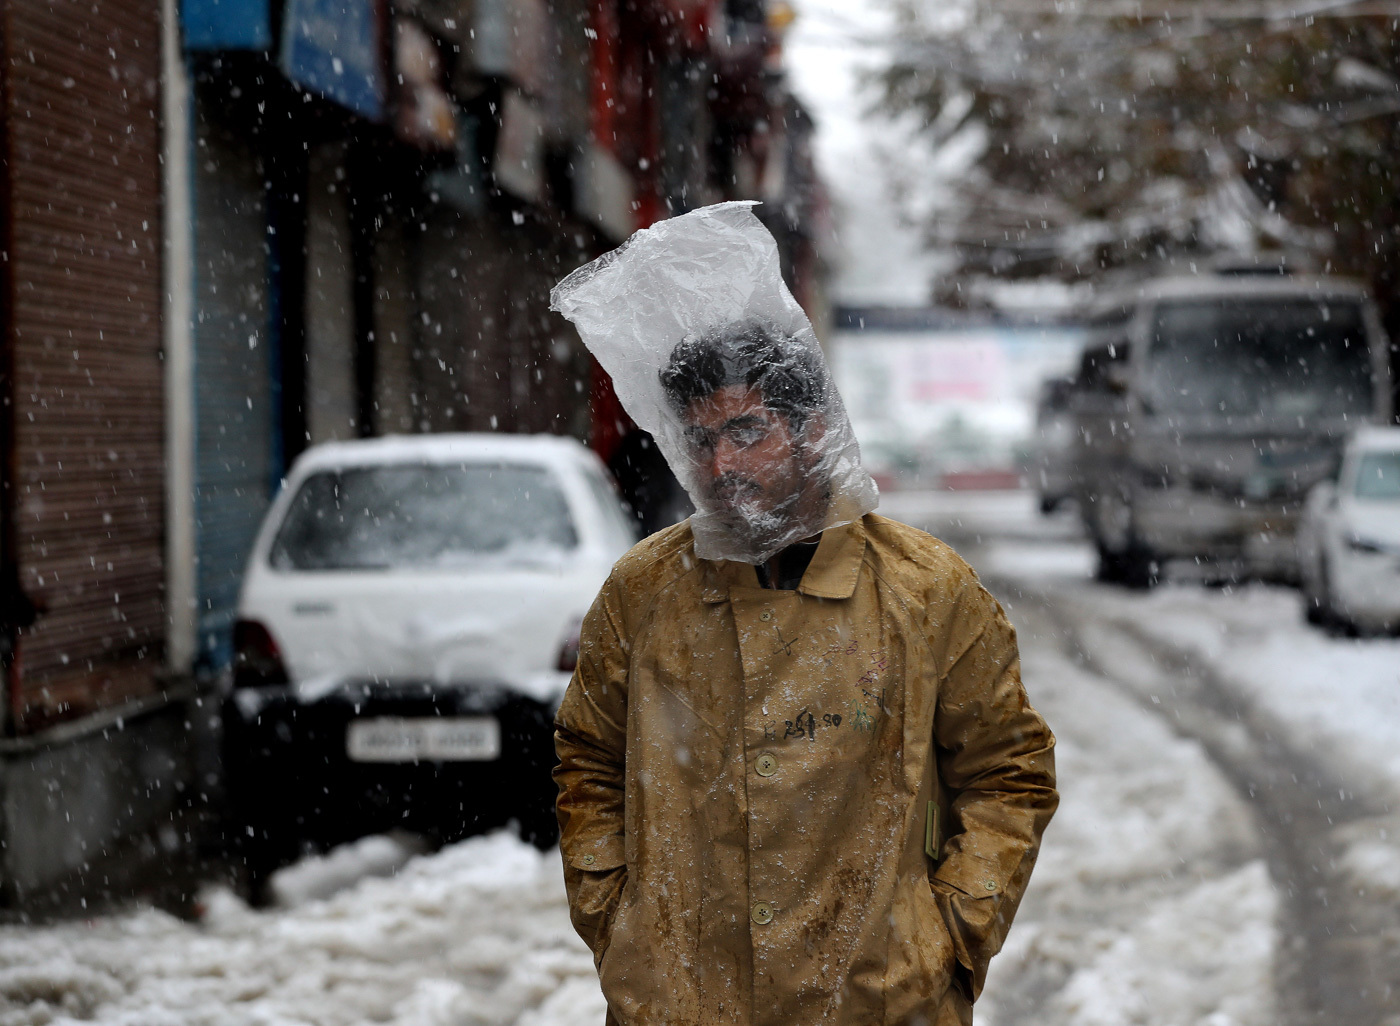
(1338, 959)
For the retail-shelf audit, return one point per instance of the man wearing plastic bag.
(800, 781)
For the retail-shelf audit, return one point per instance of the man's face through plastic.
(757, 468)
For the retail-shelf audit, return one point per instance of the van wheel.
(1138, 567)
(1123, 557)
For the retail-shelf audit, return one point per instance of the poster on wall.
(334, 48)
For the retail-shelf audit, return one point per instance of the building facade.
(236, 228)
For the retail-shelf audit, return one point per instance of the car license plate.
(449, 739)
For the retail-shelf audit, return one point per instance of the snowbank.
(477, 933)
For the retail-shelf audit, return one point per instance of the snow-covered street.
(477, 933)
(1227, 852)
(1267, 893)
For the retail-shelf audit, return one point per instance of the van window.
(1256, 358)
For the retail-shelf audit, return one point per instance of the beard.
(733, 492)
(746, 507)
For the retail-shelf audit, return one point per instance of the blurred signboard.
(929, 403)
(335, 48)
(226, 24)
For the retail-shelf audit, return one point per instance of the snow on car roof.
(1212, 286)
(552, 450)
(1377, 439)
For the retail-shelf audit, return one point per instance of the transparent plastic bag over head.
(709, 352)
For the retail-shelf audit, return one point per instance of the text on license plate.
(445, 739)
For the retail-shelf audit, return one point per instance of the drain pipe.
(178, 272)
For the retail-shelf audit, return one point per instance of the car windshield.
(1268, 359)
(1378, 476)
(425, 516)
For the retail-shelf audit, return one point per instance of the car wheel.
(1322, 608)
(1315, 603)
(256, 852)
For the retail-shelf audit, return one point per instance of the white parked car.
(1349, 537)
(407, 624)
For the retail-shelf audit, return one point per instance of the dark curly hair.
(788, 374)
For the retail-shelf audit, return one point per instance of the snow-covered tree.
(1102, 134)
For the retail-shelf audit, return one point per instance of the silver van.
(1205, 409)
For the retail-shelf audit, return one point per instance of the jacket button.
(762, 913)
(767, 614)
(766, 765)
(991, 885)
(588, 860)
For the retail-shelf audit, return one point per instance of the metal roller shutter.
(83, 141)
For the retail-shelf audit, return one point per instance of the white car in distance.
(1349, 537)
(407, 624)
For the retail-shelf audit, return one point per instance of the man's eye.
(700, 439)
(747, 435)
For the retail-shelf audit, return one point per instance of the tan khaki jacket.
(747, 775)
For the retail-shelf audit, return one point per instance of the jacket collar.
(832, 574)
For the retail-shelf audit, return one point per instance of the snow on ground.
(320, 876)
(477, 933)
(1337, 698)
(1334, 699)
(1150, 904)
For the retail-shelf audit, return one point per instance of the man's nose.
(723, 456)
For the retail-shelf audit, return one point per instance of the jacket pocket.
(597, 856)
(920, 961)
(969, 873)
(595, 873)
(968, 891)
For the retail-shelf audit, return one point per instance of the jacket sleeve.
(590, 740)
(996, 765)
